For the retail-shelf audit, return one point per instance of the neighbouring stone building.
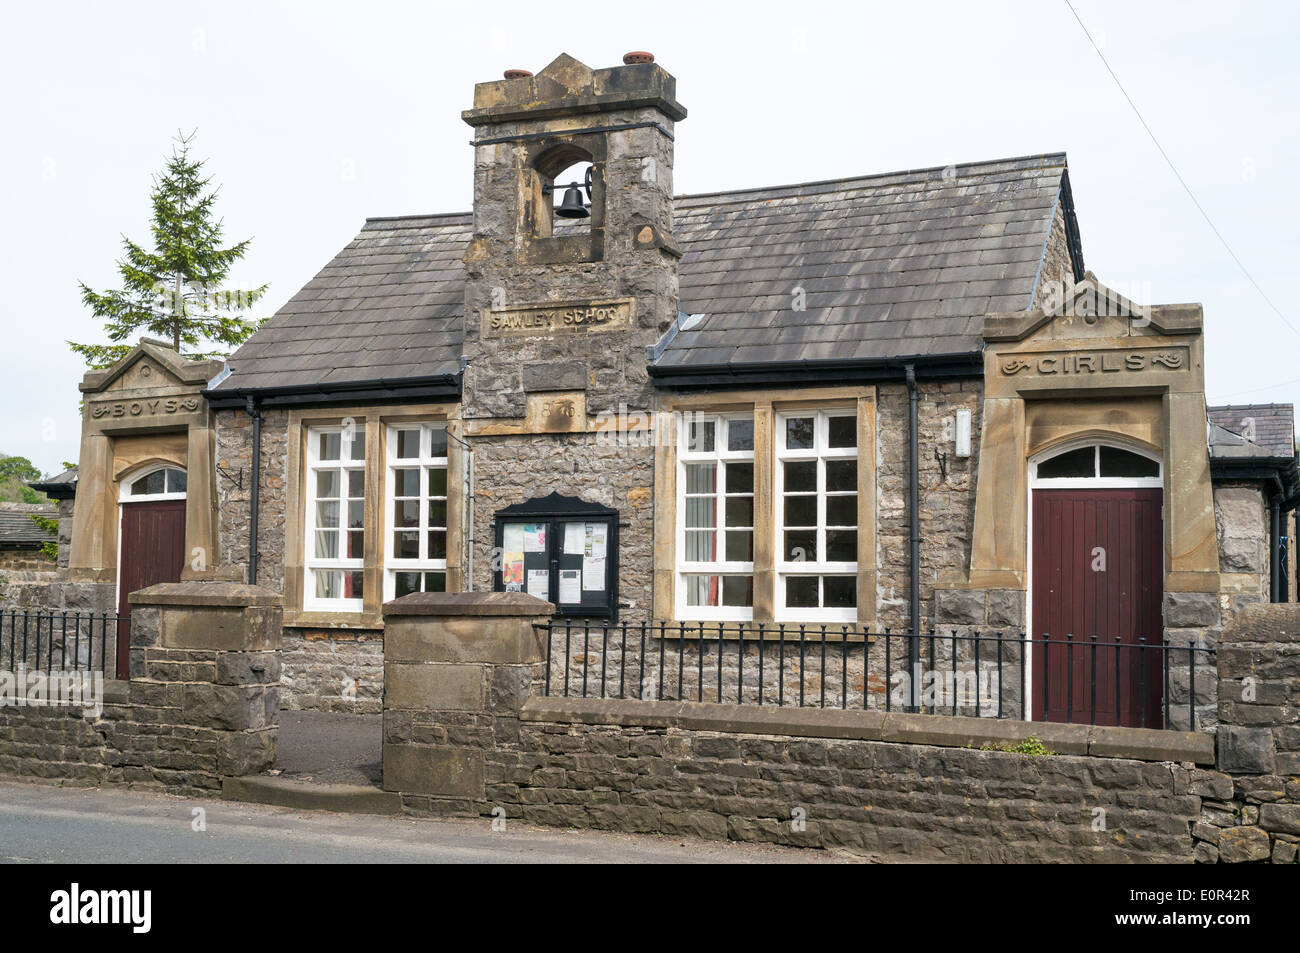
(891, 401)
(22, 539)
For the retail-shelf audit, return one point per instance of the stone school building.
(891, 401)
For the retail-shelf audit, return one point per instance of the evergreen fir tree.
(175, 291)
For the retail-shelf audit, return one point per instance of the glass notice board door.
(563, 551)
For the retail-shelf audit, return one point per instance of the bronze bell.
(572, 206)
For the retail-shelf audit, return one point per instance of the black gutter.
(56, 491)
(1255, 468)
(801, 373)
(914, 531)
(1283, 498)
(255, 488)
(350, 392)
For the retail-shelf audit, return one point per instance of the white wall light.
(963, 433)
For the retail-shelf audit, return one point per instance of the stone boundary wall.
(202, 702)
(25, 560)
(592, 769)
(466, 733)
(1254, 812)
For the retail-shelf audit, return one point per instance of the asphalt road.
(46, 824)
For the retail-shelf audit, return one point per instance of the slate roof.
(388, 306)
(62, 486)
(892, 266)
(17, 531)
(898, 265)
(1274, 425)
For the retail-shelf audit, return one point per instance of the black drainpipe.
(914, 538)
(255, 488)
(1275, 542)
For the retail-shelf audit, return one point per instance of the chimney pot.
(638, 56)
(518, 73)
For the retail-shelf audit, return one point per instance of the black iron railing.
(62, 640)
(992, 674)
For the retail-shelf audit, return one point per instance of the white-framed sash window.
(415, 547)
(715, 517)
(815, 488)
(334, 561)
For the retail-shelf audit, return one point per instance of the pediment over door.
(1090, 339)
(150, 366)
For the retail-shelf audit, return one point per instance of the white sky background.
(314, 116)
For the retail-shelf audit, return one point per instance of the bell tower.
(572, 268)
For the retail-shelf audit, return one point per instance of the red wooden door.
(153, 550)
(1098, 568)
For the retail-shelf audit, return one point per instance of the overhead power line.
(1181, 181)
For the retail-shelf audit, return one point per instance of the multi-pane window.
(335, 518)
(416, 559)
(164, 482)
(716, 517)
(816, 520)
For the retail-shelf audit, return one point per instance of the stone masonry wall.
(1254, 811)
(29, 560)
(926, 802)
(332, 670)
(1242, 520)
(946, 493)
(201, 704)
(1196, 619)
(465, 732)
(235, 456)
(509, 470)
(1057, 271)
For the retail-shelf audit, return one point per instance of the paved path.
(41, 823)
(330, 747)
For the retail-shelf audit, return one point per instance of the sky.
(313, 116)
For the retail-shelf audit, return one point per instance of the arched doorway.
(1096, 584)
(151, 541)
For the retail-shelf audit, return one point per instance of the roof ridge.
(685, 196)
(1273, 404)
(409, 218)
(870, 176)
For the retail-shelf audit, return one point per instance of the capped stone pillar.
(458, 667)
(205, 668)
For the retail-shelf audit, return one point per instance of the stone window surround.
(375, 419)
(764, 404)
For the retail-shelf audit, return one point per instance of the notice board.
(561, 549)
